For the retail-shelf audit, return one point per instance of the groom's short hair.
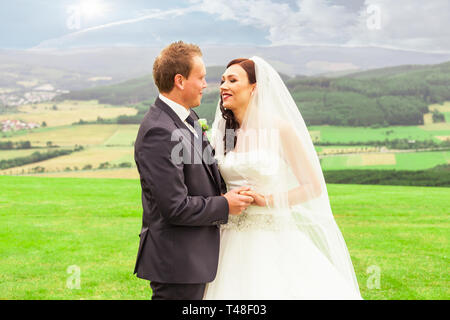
(174, 59)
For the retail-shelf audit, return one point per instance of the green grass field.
(336, 134)
(93, 224)
(49, 224)
(124, 136)
(402, 161)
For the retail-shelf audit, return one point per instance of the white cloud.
(144, 15)
(405, 24)
(315, 21)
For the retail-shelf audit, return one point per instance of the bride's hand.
(258, 199)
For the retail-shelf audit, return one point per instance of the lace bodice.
(258, 170)
(255, 169)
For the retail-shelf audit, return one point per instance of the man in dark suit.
(184, 197)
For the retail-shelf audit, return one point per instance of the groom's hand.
(238, 202)
(258, 199)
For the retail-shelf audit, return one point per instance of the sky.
(414, 25)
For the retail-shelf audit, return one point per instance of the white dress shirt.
(181, 112)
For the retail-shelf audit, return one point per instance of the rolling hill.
(133, 91)
(381, 97)
(399, 71)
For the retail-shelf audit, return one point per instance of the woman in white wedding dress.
(286, 245)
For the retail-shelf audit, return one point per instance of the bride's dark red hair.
(230, 121)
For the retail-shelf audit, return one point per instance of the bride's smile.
(226, 95)
(235, 88)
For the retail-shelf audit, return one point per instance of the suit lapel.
(197, 146)
(213, 166)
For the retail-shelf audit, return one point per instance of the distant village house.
(15, 125)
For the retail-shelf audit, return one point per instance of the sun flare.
(92, 8)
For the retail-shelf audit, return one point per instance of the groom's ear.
(179, 81)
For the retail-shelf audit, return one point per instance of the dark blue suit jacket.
(182, 203)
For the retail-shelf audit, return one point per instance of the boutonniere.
(204, 124)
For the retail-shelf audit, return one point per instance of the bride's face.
(235, 88)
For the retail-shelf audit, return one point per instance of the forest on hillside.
(381, 97)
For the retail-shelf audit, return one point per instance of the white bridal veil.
(274, 136)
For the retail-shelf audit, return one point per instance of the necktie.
(191, 121)
(205, 142)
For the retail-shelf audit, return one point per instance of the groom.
(183, 195)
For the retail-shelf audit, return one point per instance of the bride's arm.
(297, 158)
(294, 154)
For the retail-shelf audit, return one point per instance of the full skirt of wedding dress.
(265, 263)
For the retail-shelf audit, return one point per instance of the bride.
(286, 245)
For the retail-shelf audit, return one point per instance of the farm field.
(11, 154)
(123, 136)
(336, 149)
(398, 161)
(441, 107)
(93, 156)
(113, 143)
(447, 116)
(334, 134)
(67, 112)
(50, 224)
(85, 135)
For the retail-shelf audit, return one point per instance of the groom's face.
(195, 83)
